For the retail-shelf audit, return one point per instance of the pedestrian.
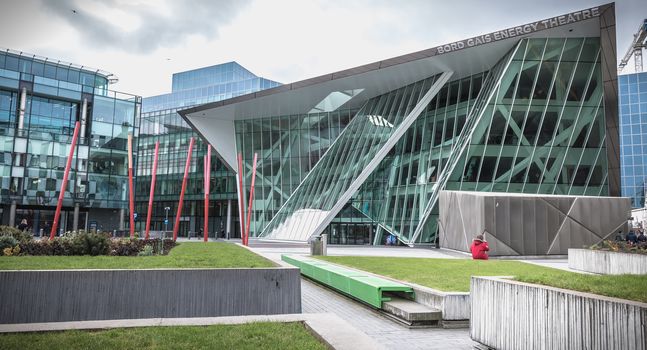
(46, 228)
(631, 237)
(479, 248)
(641, 237)
(23, 225)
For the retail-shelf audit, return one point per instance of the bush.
(621, 246)
(90, 244)
(20, 236)
(125, 247)
(7, 242)
(147, 251)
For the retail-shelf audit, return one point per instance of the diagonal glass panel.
(472, 126)
(351, 158)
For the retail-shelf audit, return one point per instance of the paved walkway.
(318, 299)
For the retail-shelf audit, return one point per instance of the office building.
(160, 122)
(41, 99)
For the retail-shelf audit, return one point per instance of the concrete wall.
(75, 295)
(526, 224)
(608, 263)
(455, 306)
(515, 315)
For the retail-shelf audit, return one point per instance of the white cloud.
(284, 40)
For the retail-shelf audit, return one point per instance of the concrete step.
(411, 313)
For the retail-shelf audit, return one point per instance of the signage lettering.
(521, 30)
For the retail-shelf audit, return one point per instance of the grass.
(184, 255)
(453, 275)
(264, 335)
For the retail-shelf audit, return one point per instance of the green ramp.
(357, 284)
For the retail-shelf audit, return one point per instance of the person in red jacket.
(479, 248)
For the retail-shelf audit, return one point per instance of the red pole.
(131, 194)
(61, 195)
(187, 165)
(251, 200)
(207, 189)
(241, 205)
(152, 192)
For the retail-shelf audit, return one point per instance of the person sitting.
(641, 237)
(631, 237)
(479, 248)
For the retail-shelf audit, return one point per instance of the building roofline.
(481, 40)
(111, 77)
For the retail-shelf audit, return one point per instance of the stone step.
(412, 313)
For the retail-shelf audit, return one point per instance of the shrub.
(20, 236)
(7, 251)
(7, 242)
(621, 246)
(147, 251)
(124, 247)
(89, 244)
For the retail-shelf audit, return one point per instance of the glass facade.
(160, 122)
(533, 123)
(632, 105)
(40, 102)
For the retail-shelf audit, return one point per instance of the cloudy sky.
(144, 41)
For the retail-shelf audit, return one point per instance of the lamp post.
(166, 209)
(161, 248)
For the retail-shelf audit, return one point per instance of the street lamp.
(166, 209)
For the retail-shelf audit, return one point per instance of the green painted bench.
(357, 284)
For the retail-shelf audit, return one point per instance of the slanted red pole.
(251, 200)
(61, 195)
(241, 205)
(207, 185)
(187, 165)
(131, 193)
(152, 192)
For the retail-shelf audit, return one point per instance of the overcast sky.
(144, 41)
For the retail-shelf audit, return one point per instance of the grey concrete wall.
(514, 315)
(76, 295)
(526, 224)
(455, 306)
(608, 263)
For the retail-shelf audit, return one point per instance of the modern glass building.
(364, 153)
(633, 136)
(41, 99)
(160, 122)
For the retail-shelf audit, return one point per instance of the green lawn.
(253, 336)
(454, 274)
(184, 255)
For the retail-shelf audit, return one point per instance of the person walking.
(479, 248)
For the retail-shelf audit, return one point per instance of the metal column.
(75, 220)
(228, 229)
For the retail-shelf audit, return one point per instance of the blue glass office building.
(633, 136)
(160, 122)
(41, 99)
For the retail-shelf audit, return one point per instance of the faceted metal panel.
(528, 224)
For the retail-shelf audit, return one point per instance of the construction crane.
(636, 48)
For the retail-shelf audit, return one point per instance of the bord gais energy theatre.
(363, 153)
